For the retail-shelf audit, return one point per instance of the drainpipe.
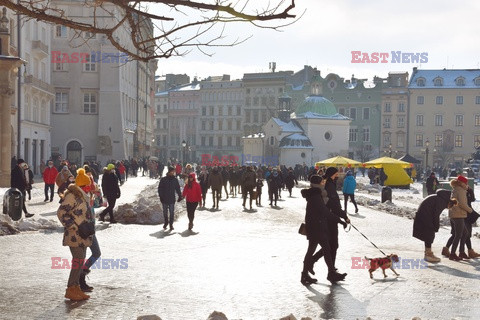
(19, 86)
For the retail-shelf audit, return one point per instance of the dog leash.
(367, 238)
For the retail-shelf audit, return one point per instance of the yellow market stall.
(339, 161)
(394, 169)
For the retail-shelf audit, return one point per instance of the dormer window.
(477, 81)
(438, 82)
(460, 81)
(421, 82)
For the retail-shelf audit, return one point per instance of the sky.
(328, 32)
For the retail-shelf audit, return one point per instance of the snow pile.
(8, 226)
(146, 209)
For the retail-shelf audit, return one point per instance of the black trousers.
(345, 199)
(332, 244)
(191, 207)
(111, 205)
(49, 186)
(326, 252)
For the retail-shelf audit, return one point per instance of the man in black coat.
(427, 220)
(431, 184)
(110, 190)
(335, 207)
(318, 219)
(17, 180)
(167, 187)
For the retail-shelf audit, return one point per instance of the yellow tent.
(339, 161)
(394, 169)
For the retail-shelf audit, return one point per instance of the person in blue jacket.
(349, 185)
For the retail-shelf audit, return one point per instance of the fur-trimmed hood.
(458, 184)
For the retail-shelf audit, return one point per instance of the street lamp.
(184, 146)
(427, 144)
(390, 150)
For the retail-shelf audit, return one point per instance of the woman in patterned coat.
(74, 210)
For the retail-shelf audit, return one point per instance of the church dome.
(318, 105)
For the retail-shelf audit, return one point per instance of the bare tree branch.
(160, 28)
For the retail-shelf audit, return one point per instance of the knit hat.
(315, 181)
(330, 172)
(110, 166)
(82, 179)
(349, 173)
(462, 179)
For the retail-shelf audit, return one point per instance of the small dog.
(384, 263)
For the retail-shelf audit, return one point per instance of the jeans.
(168, 207)
(78, 256)
(95, 248)
(461, 233)
(49, 186)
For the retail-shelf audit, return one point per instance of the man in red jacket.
(49, 176)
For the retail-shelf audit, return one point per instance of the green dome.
(317, 104)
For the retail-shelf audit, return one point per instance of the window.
(210, 125)
(388, 107)
(204, 125)
(255, 116)
(341, 111)
(248, 116)
(419, 140)
(220, 141)
(419, 121)
(229, 125)
(458, 141)
(237, 141)
(477, 120)
(211, 110)
(438, 82)
(420, 99)
(459, 120)
(90, 65)
(353, 113)
(400, 140)
(61, 102)
(239, 111)
(89, 103)
(438, 120)
(264, 116)
(164, 123)
(60, 32)
(89, 35)
(229, 141)
(204, 111)
(421, 82)
(210, 141)
(387, 139)
(203, 141)
(366, 134)
(220, 110)
(477, 81)
(272, 141)
(438, 140)
(59, 66)
(459, 99)
(229, 110)
(220, 125)
(400, 122)
(477, 100)
(439, 100)
(352, 137)
(476, 141)
(386, 123)
(401, 107)
(366, 113)
(460, 81)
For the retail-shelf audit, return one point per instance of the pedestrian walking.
(72, 213)
(28, 180)
(17, 180)
(318, 219)
(290, 181)
(203, 180)
(349, 185)
(249, 180)
(49, 175)
(427, 220)
(275, 183)
(258, 200)
(193, 195)
(225, 178)
(110, 190)
(167, 187)
(457, 215)
(215, 182)
(431, 184)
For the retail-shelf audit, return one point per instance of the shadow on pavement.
(455, 272)
(188, 233)
(162, 234)
(338, 303)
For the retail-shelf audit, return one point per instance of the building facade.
(445, 111)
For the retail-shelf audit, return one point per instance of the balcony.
(40, 49)
(39, 84)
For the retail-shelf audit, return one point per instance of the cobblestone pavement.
(245, 264)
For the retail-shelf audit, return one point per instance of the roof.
(296, 141)
(448, 77)
(287, 127)
(317, 104)
(312, 115)
(254, 136)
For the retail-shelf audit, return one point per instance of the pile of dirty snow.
(8, 226)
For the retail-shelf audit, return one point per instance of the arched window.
(74, 152)
(272, 141)
(421, 82)
(460, 81)
(438, 82)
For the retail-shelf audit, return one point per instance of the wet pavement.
(245, 264)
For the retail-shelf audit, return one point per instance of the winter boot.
(81, 293)
(334, 277)
(472, 254)
(454, 257)
(306, 279)
(463, 255)
(430, 257)
(72, 294)
(83, 284)
(445, 252)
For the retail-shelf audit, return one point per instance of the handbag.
(472, 217)
(86, 229)
(303, 229)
